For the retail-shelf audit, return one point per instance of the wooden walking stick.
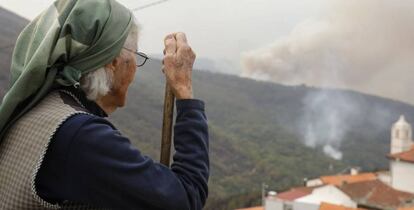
(167, 123)
(168, 110)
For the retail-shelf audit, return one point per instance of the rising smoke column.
(363, 45)
(373, 40)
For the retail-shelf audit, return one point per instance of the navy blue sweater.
(89, 161)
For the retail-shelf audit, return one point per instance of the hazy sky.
(217, 29)
(350, 44)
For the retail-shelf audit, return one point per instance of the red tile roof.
(376, 194)
(339, 180)
(295, 193)
(407, 156)
(328, 206)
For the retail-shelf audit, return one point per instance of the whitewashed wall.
(305, 206)
(273, 204)
(402, 176)
(276, 204)
(328, 194)
(385, 177)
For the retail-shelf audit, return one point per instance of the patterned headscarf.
(67, 40)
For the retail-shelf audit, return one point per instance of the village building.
(329, 194)
(402, 156)
(382, 190)
(375, 194)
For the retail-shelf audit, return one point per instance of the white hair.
(98, 83)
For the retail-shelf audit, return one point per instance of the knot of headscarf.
(69, 76)
(67, 40)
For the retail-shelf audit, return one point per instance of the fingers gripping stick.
(177, 66)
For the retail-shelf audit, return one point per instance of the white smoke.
(373, 40)
(326, 120)
(363, 45)
(332, 152)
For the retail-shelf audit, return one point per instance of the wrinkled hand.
(178, 64)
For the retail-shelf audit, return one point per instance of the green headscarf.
(67, 40)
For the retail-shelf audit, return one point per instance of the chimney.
(354, 171)
(271, 194)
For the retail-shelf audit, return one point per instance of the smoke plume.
(325, 120)
(372, 42)
(366, 46)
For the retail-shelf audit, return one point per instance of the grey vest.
(23, 149)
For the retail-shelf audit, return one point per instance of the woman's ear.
(114, 64)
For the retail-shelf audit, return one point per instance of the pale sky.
(219, 30)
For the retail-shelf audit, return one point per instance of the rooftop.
(376, 194)
(339, 180)
(295, 193)
(407, 156)
(328, 206)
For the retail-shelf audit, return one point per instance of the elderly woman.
(71, 67)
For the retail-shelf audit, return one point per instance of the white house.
(278, 204)
(402, 156)
(328, 194)
(287, 200)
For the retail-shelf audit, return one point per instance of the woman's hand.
(178, 64)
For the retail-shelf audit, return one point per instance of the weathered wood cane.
(167, 123)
